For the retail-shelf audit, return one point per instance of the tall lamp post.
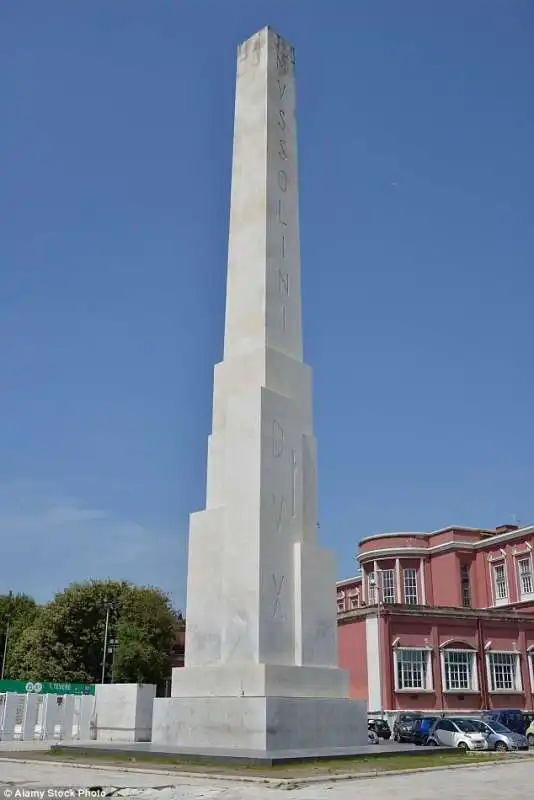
(108, 606)
(113, 649)
(6, 634)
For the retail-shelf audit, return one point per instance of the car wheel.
(463, 746)
(500, 747)
(432, 743)
(530, 739)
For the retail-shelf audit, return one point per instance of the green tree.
(17, 612)
(67, 641)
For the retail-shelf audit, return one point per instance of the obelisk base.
(263, 725)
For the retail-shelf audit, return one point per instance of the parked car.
(511, 718)
(373, 738)
(459, 732)
(530, 734)
(422, 729)
(403, 726)
(499, 737)
(380, 727)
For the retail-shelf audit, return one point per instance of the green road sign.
(46, 687)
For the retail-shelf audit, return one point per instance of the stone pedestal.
(261, 724)
(261, 663)
(123, 712)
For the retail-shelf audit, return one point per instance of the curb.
(142, 771)
(295, 783)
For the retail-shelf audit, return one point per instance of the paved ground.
(474, 783)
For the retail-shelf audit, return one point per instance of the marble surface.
(261, 647)
(123, 712)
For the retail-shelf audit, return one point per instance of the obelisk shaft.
(263, 307)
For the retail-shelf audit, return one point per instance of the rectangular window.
(503, 669)
(411, 668)
(410, 587)
(371, 589)
(464, 580)
(388, 586)
(354, 601)
(501, 584)
(524, 566)
(458, 669)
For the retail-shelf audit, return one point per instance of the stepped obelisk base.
(259, 726)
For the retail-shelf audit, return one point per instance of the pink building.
(441, 620)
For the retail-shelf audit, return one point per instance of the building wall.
(352, 648)
(445, 570)
(432, 637)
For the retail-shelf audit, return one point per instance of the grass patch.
(354, 765)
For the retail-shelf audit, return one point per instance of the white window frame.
(390, 573)
(517, 683)
(473, 671)
(530, 656)
(372, 589)
(427, 670)
(500, 601)
(521, 559)
(405, 572)
(467, 584)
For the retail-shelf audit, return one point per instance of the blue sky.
(415, 135)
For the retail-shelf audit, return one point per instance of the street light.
(112, 649)
(108, 606)
(6, 634)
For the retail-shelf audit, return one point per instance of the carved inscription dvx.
(288, 467)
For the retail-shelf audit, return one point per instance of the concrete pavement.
(491, 782)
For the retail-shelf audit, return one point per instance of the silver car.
(499, 737)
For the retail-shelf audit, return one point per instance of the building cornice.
(443, 547)
(349, 581)
(440, 612)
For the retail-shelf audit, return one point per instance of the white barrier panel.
(68, 717)
(29, 717)
(50, 716)
(86, 713)
(12, 717)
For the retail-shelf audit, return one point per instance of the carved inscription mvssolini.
(282, 116)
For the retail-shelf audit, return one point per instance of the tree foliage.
(65, 642)
(17, 612)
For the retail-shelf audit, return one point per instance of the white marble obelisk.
(261, 667)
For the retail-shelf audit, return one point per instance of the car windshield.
(498, 727)
(467, 725)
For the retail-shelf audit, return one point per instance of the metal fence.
(32, 716)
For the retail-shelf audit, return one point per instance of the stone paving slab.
(488, 782)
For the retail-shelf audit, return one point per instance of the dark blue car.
(422, 728)
(512, 718)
